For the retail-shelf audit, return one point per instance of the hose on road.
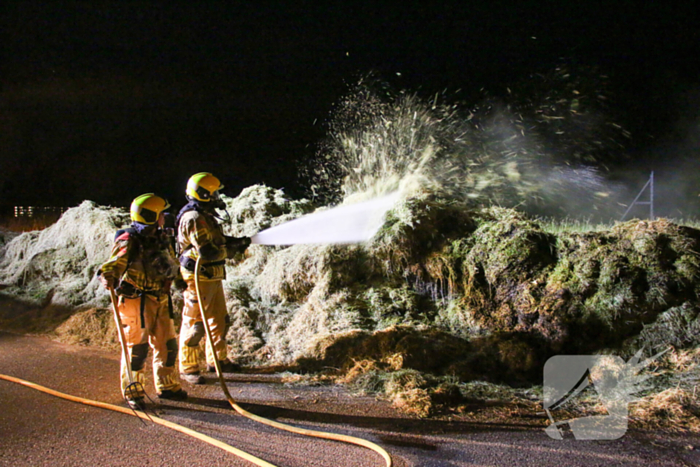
(302, 431)
(137, 413)
(174, 426)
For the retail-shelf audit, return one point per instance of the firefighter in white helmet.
(201, 235)
(141, 268)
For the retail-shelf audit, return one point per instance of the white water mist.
(343, 224)
(492, 153)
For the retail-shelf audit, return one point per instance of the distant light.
(29, 211)
(398, 73)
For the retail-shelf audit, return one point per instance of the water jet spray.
(352, 223)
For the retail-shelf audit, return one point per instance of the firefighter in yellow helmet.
(201, 235)
(141, 268)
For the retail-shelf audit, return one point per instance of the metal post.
(651, 197)
(649, 183)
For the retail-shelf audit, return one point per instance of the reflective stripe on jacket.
(197, 230)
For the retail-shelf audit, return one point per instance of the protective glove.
(208, 252)
(107, 283)
(236, 245)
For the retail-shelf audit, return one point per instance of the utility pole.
(650, 184)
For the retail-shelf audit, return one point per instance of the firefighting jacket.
(200, 234)
(145, 262)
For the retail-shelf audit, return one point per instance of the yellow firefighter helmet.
(147, 208)
(203, 187)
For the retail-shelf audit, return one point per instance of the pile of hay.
(442, 296)
(52, 271)
(57, 265)
(470, 294)
(6, 236)
(260, 207)
(94, 327)
(490, 273)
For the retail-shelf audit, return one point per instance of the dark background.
(107, 100)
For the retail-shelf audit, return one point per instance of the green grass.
(693, 222)
(568, 225)
(584, 225)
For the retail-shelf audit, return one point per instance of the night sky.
(107, 100)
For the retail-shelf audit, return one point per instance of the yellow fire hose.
(316, 434)
(144, 416)
(120, 332)
(187, 431)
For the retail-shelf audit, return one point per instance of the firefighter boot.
(192, 378)
(227, 366)
(179, 395)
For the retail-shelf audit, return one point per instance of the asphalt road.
(37, 429)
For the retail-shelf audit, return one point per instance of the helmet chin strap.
(218, 204)
(217, 215)
(212, 206)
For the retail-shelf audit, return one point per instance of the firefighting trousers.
(192, 330)
(148, 321)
